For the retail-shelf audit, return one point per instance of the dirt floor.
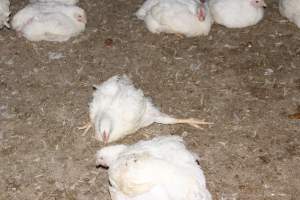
(245, 81)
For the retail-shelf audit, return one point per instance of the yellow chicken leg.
(193, 122)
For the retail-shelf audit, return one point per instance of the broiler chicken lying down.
(49, 21)
(237, 13)
(119, 109)
(161, 168)
(4, 13)
(291, 10)
(68, 2)
(187, 17)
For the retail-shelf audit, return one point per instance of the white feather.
(49, 21)
(4, 13)
(161, 168)
(236, 13)
(119, 109)
(121, 103)
(145, 8)
(291, 10)
(175, 16)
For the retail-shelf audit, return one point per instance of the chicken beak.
(201, 14)
(105, 137)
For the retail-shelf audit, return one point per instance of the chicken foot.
(192, 122)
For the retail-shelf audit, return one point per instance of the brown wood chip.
(108, 42)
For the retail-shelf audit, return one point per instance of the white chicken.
(291, 10)
(49, 21)
(68, 2)
(188, 17)
(4, 13)
(145, 8)
(237, 13)
(119, 109)
(161, 168)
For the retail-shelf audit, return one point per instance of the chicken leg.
(166, 119)
(192, 122)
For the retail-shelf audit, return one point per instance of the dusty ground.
(246, 81)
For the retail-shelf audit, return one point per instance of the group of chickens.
(161, 168)
(59, 20)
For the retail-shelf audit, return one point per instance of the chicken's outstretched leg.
(193, 122)
(166, 119)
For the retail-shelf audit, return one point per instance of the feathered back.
(106, 92)
(170, 148)
(118, 100)
(235, 13)
(177, 16)
(162, 162)
(50, 21)
(291, 10)
(4, 13)
(148, 4)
